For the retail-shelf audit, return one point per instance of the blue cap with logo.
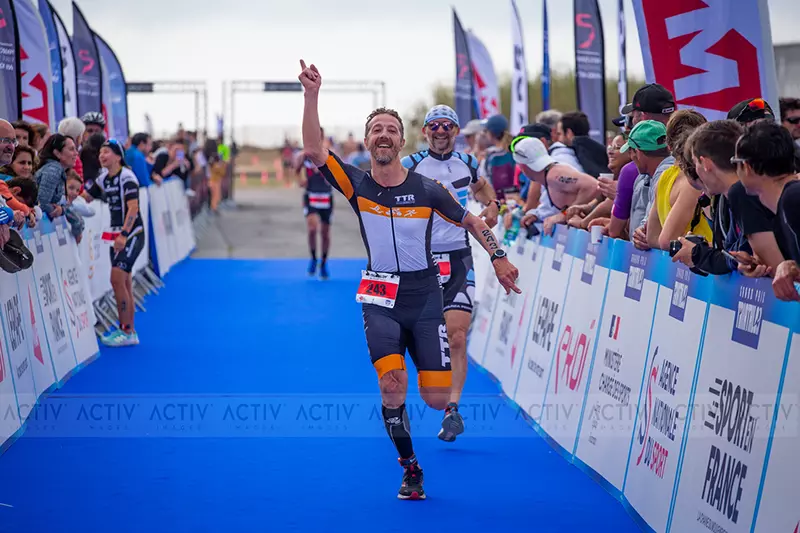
(441, 111)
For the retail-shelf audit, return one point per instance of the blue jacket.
(138, 164)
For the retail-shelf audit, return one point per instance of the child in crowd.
(74, 198)
(73, 211)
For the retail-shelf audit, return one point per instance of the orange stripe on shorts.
(390, 362)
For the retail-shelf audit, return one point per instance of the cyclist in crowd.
(95, 124)
(119, 188)
(400, 290)
(450, 243)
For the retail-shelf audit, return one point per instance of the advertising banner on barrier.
(709, 56)
(667, 390)
(182, 218)
(94, 253)
(740, 371)
(777, 509)
(162, 228)
(548, 308)
(77, 303)
(576, 339)
(9, 422)
(144, 207)
(487, 299)
(509, 330)
(14, 345)
(44, 374)
(49, 296)
(620, 358)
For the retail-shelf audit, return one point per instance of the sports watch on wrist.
(498, 254)
(124, 233)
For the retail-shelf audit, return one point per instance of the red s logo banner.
(699, 53)
(3, 22)
(584, 20)
(88, 62)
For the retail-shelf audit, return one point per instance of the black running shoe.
(411, 489)
(452, 425)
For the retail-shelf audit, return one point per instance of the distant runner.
(318, 210)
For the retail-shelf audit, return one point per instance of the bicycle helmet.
(93, 117)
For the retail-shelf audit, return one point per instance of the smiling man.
(450, 243)
(400, 292)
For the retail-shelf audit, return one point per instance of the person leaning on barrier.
(764, 162)
(678, 206)
(564, 185)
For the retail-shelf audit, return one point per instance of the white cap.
(532, 153)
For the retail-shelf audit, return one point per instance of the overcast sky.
(407, 44)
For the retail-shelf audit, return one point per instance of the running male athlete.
(400, 290)
(118, 187)
(318, 209)
(450, 243)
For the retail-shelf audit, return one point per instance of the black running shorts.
(416, 323)
(125, 259)
(459, 289)
(313, 205)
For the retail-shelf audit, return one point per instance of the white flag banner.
(622, 84)
(68, 70)
(519, 75)
(34, 55)
(487, 93)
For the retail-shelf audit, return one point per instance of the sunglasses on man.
(794, 121)
(446, 126)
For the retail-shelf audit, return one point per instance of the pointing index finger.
(302, 64)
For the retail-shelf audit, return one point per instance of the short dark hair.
(22, 125)
(768, 148)
(29, 191)
(575, 121)
(788, 104)
(139, 138)
(716, 141)
(73, 175)
(680, 126)
(384, 111)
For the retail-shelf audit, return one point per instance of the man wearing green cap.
(648, 142)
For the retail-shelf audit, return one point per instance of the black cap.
(751, 110)
(620, 121)
(652, 98)
(537, 130)
(117, 149)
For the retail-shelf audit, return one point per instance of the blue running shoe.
(312, 267)
(323, 271)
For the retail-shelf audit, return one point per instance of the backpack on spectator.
(592, 156)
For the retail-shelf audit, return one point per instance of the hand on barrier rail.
(550, 223)
(640, 239)
(750, 265)
(785, 283)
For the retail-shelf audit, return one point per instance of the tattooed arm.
(506, 273)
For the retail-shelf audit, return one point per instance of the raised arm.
(312, 141)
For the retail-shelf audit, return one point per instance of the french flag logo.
(613, 332)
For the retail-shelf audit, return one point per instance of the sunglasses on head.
(446, 126)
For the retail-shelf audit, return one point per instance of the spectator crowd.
(719, 196)
(44, 173)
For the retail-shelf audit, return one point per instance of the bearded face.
(384, 140)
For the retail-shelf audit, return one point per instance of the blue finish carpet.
(251, 405)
